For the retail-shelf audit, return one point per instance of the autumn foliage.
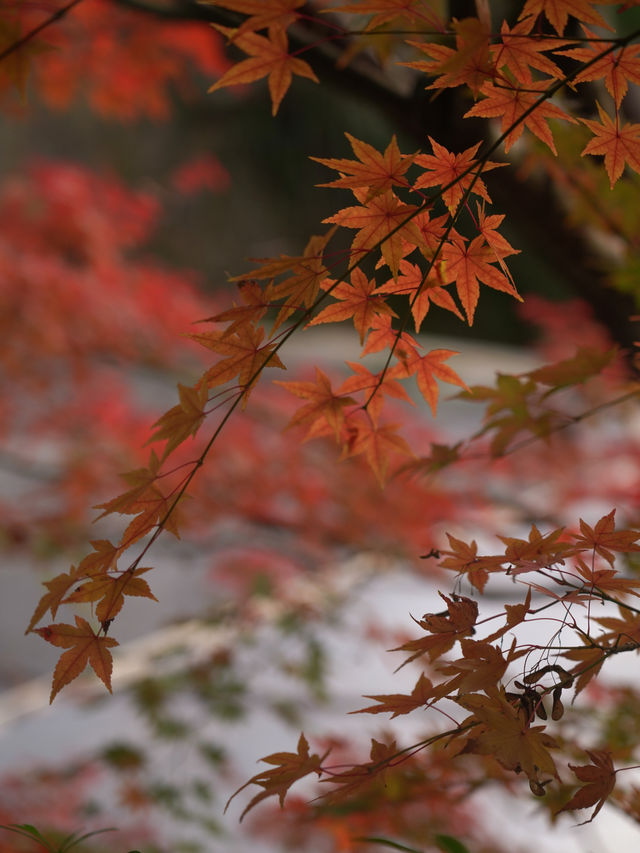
(354, 459)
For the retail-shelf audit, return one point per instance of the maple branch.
(475, 167)
(55, 16)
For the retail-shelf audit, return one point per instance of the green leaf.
(28, 831)
(449, 844)
(386, 842)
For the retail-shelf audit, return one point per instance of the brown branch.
(27, 37)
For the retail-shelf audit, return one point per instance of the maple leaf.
(445, 628)
(383, 336)
(385, 11)
(58, 587)
(481, 667)
(516, 614)
(143, 490)
(372, 170)
(379, 442)
(506, 736)
(375, 385)
(557, 12)
(144, 500)
(183, 420)
(460, 617)
(306, 274)
(517, 106)
(469, 63)
(443, 168)
(468, 265)
(381, 756)
(619, 145)
(585, 364)
(110, 592)
(411, 282)
(537, 551)
(617, 68)
(84, 647)
(276, 14)
(257, 301)
(383, 219)
(426, 368)
(590, 659)
(604, 538)
(360, 300)
(600, 778)
(607, 580)
(401, 703)
(102, 558)
(289, 767)
(245, 359)
(269, 57)
(520, 52)
(325, 407)
(463, 558)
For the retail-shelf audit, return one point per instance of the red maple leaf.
(620, 145)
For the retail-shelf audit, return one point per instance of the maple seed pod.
(558, 708)
(541, 711)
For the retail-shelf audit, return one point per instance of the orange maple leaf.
(468, 265)
(325, 408)
(463, 558)
(305, 275)
(375, 386)
(617, 68)
(507, 736)
(600, 778)
(84, 647)
(468, 63)
(58, 587)
(517, 106)
(620, 145)
(411, 282)
(289, 767)
(443, 168)
(557, 12)
(256, 302)
(383, 219)
(360, 300)
(520, 52)
(426, 369)
(379, 442)
(397, 704)
(183, 420)
(604, 538)
(387, 11)
(110, 591)
(445, 628)
(263, 13)
(245, 359)
(481, 667)
(377, 172)
(269, 57)
(607, 580)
